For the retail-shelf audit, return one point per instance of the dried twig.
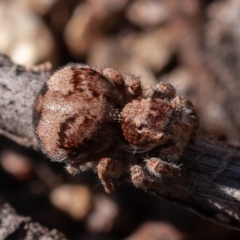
(210, 180)
(14, 227)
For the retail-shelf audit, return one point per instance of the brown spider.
(97, 118)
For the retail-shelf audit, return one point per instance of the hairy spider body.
(75, 99)
(165, 122)
(97, 118)
(145, 122)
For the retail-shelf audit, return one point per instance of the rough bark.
(210, 181)
(18, 89)
(15, 227)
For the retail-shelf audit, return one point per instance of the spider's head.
(146, 123)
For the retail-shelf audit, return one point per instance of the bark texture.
(18, 89)
(15, 227)
(210, 182)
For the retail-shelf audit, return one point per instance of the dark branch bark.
(210, 181)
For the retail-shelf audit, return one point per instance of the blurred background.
(193, 44)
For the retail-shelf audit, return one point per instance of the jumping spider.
(99, 119)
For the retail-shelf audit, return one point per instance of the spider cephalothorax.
(156, 120)
(97, 118)
(147, 123)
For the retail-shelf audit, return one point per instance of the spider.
(98, 119)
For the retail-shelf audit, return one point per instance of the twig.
(15, 227)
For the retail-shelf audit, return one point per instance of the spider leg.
(164, 163)
(160, 168)
(164, 91)
(109, 171)
(188, 117)
(141, 179)
(77, 167)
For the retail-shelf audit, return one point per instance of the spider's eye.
(139, 127)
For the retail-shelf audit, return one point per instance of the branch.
(15, 227)
(210, 181)
(18, 89)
